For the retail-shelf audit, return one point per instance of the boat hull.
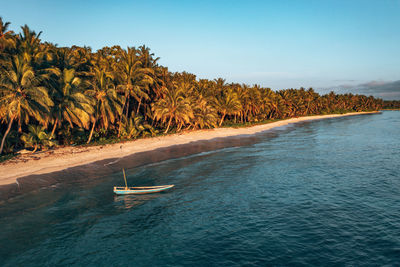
(141, 190)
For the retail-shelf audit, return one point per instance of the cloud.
(347, 81)
(374, 83)
(387, 90)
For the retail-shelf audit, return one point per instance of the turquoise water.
(317, 193)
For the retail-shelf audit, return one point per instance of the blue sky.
(278, 44)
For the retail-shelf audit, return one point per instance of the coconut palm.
(147, 58)
(228, 104)
(205, 115)
(288, 103)
(29, 46)
(136, 126)
(107, 104)
(133, 77)
(254, 105)
(70, 103)
(10, 143)
(174, 106)
(37, 138)
(21, 95)
(310, 97)
(5, 35)
(4, 29)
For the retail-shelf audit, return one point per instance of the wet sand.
(32, 171)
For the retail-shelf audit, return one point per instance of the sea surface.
(316, 193)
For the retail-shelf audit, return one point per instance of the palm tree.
(5, 34)
(70, 103)
(22, 95)
(254, 104)
(134, 78)
(3, 28)
(28, 45)
(174, 106)
(107, 103)
(287, 99)
(136, 127)
(147, 58)
(37, 137)
(205, 115)
(228, 104)
(161, 81)
(242, 93)
(310, 99)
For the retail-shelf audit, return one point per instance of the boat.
(121, 190)
(141, 190)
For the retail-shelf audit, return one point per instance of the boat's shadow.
(131, 201)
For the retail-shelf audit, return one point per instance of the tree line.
(52, 95)
(391, 104)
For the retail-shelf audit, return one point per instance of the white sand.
(63, 158)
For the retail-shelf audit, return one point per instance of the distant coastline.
(31, 172)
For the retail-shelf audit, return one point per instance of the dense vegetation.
(53, 95)
(391, 104)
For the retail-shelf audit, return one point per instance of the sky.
(336, 45)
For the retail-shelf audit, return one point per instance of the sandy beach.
(67, 157)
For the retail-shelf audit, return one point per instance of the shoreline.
(32, 171)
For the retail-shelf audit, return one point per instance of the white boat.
(125, 190)
(141, 190)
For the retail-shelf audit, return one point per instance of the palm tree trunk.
(5, 135)
(119, 126)
(127, 108)
(138, 107)
(169, 123)
(36, 147)
(54, 129)
(222, 119)
(91, 132)
(180, 127)
(120, 118)
(308, 106)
